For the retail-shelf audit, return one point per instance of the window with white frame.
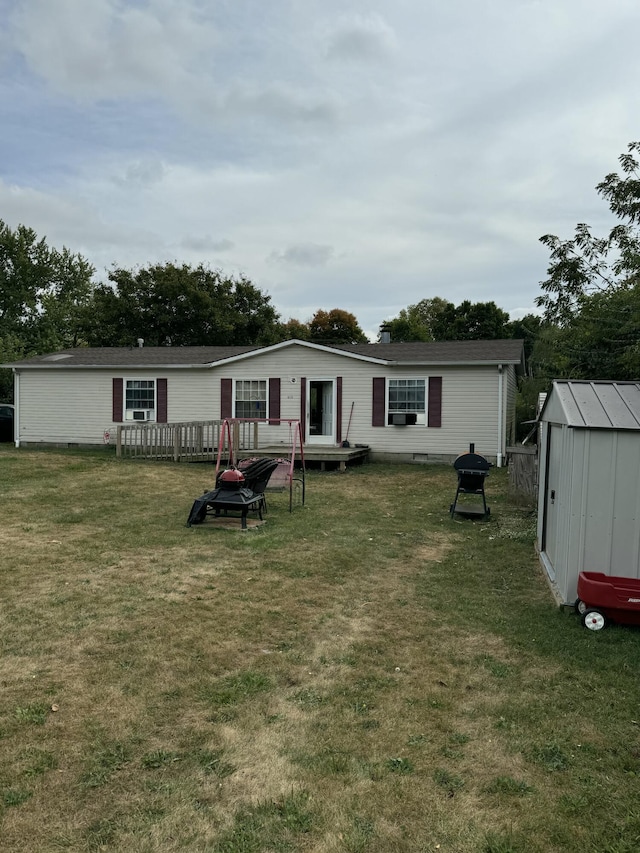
(408, 398)
(140, 399)
(251, 399)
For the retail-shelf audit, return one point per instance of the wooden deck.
(198, 441)
(325, 456)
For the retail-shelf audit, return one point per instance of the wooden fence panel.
(523, 471)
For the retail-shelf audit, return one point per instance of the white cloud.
(111, 48)
(304, 255)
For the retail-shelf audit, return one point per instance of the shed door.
(553, 500)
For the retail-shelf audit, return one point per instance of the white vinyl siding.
(60, 407)
(469, 399)
(65, 406)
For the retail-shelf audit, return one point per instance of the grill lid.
(232, 477)
(472, 462)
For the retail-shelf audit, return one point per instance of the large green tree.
(294, 330)
(543, 363)
(601, 340)
(167, 304)
(528, 329)
(42, 294)
(472, 321)
(41, 290)
(335, 327)
(419, 322)
(438, 319)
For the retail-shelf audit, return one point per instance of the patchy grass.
(365, 674)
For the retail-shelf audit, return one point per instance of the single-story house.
(406, 401)
(589, 488)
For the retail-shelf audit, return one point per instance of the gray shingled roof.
(442, 352)
(598, 404)
(133, 357)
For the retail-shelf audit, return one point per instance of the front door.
(321, 408)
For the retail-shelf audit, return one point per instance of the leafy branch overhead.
(587, 265)
(591, 296)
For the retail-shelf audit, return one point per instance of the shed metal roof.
(596, 405)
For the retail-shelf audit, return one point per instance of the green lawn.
(363, 674)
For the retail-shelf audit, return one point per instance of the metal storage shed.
(589, 484)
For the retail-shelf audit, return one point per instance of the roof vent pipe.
(141, 342)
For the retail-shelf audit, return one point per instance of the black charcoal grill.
(236, 491)
(472, 470)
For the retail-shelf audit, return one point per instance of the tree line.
(588, 326)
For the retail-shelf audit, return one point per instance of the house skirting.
(420, 458)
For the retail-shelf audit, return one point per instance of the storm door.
(321, 407)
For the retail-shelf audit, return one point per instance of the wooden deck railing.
(192, 441)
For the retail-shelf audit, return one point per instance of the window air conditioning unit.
(403, 418)
(139, 414)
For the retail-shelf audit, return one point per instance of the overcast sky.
(354, 155)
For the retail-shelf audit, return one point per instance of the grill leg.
(452, 508)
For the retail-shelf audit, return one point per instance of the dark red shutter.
(161, 404)
(339, 409)
(434, 406)
(274, 400)
(303, 407)
(379, 403)
(116, 400)
(226, 398)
